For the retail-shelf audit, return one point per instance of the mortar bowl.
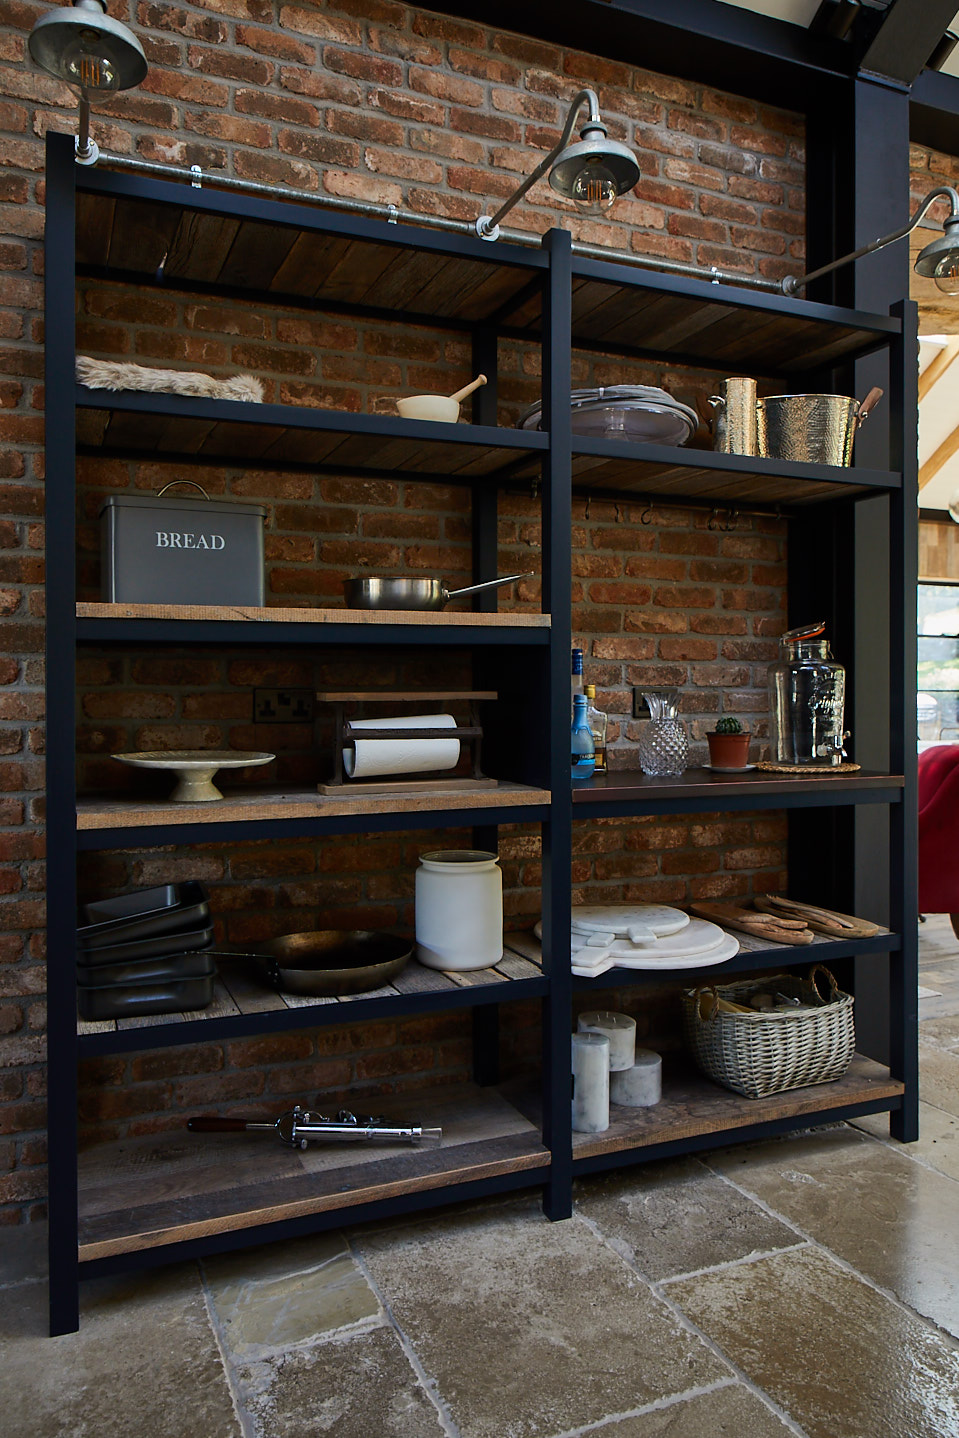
(429, 406)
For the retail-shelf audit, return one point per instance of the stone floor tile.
(145, 1361)
(528, 1327)
(938, 1141)
(287, 1293)
(23, 1254)
(838, 1357)
(677, 1217)
(894, 1220)
(730, 1412)
(939, 1077)
(359, 1387)
(942, 1032)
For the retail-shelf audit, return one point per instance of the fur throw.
(113, 374)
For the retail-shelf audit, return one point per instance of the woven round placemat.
(847, 768)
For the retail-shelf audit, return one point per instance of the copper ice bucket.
(812, 428)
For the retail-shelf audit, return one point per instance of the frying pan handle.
(210, 1123)
(487, 584)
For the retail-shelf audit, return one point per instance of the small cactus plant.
(729, 725)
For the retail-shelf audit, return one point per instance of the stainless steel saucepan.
(375, 592)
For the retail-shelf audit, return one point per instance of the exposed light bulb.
(87, 66)
(594, 188)
(947, 274)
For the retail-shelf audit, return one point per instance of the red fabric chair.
(939, 830)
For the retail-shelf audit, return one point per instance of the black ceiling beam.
(934, 112)
(701, 41)
(908, 32)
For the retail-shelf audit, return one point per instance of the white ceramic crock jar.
(459, 909)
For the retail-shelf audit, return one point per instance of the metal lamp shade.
(616, 158)
(944, 247)
(55, 34)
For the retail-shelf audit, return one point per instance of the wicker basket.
(769, 1051)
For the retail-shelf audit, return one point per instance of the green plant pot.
(728, 751)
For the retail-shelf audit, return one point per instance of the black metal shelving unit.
(149, 233)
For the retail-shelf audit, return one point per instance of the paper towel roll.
(368, 758)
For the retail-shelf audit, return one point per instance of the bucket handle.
(868, 405)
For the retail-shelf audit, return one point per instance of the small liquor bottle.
(576, 682)
(598, 722)
(582, 749)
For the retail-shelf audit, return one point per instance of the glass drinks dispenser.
(807, 691)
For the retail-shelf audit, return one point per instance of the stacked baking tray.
(142, 953)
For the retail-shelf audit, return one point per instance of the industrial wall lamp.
(939, 260)
(591, 173)
(84, 46)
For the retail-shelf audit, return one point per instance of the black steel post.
(904, 824)
(878, 198)
(557, 834)
(484, 494)
(62, 1048)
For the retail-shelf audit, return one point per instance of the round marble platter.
(636, 923)
(194, 769)
(621, 956)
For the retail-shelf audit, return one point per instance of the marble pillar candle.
(620, 1029)
(590, 1083)
(641, 1085)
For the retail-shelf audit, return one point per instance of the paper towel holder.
(343, 734)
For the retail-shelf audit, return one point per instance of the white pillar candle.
(590, 1083)
(640, 1086)
(620, 1029)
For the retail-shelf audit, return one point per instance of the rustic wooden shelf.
(679, 473)
(362, 618)
(145, 1193)
(692, 1107)
(289, 252)
(183, 430)
(693, 321)
(240, 994)
(753, 956)
(259, 806)
(629, 791)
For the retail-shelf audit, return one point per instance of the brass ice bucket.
(811, 428)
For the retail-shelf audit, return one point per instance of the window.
(938, 667)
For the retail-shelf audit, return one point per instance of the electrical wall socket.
(282, 706)
(640, 710)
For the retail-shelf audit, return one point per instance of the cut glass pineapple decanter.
(663, 746)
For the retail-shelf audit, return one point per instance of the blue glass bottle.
(583, 750)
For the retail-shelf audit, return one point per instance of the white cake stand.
(194, 769)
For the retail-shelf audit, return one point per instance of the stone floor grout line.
(688, 1326)
(845, 1265)
(243, 1417)
(656, 1406)
(755, 1257)
(430, 1386)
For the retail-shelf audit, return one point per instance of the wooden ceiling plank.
(942, 456)
(934, 371)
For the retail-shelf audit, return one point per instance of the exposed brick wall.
(381, 101)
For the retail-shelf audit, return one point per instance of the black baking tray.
(130, 1001)
(139, 950)
(165, 968)
(144, 913)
